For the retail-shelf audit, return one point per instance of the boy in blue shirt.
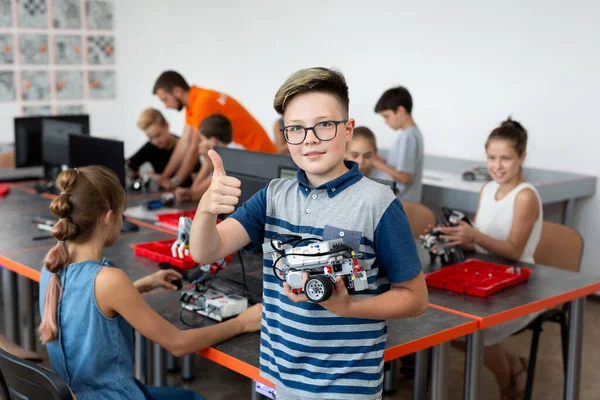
(333, 349)
(405, 160)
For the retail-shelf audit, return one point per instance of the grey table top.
(404, 336)
(20, 174)
(18, 248)
(553, 186)
(546, 287)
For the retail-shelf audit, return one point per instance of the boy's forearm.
(402, 177)
(396, 303)
(205, 241)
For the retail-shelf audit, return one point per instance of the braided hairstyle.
(86, 195)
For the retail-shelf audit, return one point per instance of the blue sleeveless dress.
(95, 354)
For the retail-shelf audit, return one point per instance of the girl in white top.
(508, 224)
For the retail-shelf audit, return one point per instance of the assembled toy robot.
(438, 247)
(323, 261)
(477, 173)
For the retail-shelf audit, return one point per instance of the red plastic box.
(161, 252)
(4, 189)
(172, 219)
(477, 278)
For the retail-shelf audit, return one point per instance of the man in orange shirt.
(173, 90)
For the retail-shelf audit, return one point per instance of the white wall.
(468, 64)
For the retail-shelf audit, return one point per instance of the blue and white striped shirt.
(307, 351)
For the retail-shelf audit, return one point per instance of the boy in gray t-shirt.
(405, 160)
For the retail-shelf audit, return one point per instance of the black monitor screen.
(88, 150)
(55, 141)
(250, 186)
(28, 137)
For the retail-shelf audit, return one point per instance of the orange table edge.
(520, 311)
(426, 342)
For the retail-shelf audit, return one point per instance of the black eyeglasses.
(324, 131)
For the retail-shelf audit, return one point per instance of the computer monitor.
(252, 163)
(250, 186)
(55, 141)
(28, 137)
(88, 150)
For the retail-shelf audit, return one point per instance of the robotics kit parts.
(166, 200)
(213, 304)
(322, 261)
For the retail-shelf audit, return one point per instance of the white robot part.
(214, 304)
(180, 247)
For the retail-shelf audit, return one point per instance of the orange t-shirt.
(246, 130)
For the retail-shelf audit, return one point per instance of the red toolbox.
(161, 252)
(172, 219)
(476, 277)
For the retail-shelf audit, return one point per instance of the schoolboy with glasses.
(333, 349)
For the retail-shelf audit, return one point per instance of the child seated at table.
(508, 224)
(215, 130)
(90, 310)
(363, 149)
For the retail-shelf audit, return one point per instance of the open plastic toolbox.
(172, 219)
(477, 278)
(161, 252)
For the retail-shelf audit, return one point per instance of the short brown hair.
(168, 81)
(392, 98)
(513, 132)
(310, 80)
(87, 193)
(217, 126)
(365, 133)
(150, 116)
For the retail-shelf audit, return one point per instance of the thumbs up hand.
(224, 191)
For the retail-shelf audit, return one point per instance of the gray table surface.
(546, 287)
(8, 174)
(419, 331)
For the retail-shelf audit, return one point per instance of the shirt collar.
(335, 186)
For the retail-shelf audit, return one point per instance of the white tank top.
(494, 217)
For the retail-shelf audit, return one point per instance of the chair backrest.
(560, 246)
(26, 380)
(419, 217)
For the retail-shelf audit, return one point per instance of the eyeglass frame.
(306, 129)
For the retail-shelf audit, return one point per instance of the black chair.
(560, 247)
(559, 316)
(22, 380)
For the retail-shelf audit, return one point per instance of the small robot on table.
(322, 261)
(203, 299)
(438, 247)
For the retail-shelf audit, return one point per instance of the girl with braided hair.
(90, 309)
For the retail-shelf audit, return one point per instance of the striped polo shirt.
(307, 351)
